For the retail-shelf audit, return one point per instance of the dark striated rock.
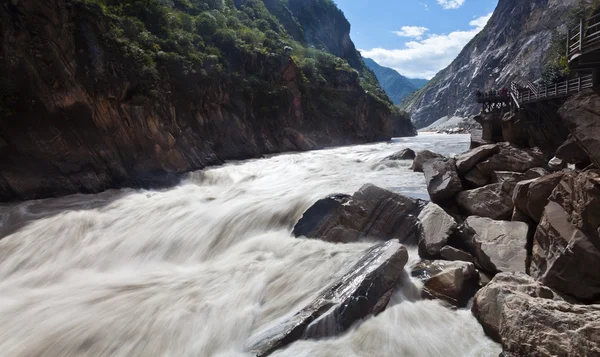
(442, 179)
(372, 213)
(566, 251)
(365, 290)
(423, 156)
(498, 246)
(453, 282)
(475, 178)
(406, 154)
(454, 254)
(510, 158)
(571, 152)
(580, 113)
(465, 162)
(492, 201)
(435, 229)
(531, 196)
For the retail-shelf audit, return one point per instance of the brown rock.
(442, 179)
(476, 178)
(454, 254)
(531, 196)
(490, 201)
(572, 153)
(423, 156)
(453, 282)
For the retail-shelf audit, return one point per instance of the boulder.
(435, 229)
(529, 319)
(492, 201)
(363, 291)
(406, 154)
(512, 178)
(580, 114)
(566, 250)
(475, 178)
(442, 179)
(465, 162)
(498, 246)
(510, 158)
(556, 164)
(571, 153)
(453, 282)
(488, 304)
(531, 196)
(423, 156)
(372, 212)
(455, 254)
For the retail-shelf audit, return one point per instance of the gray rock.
(556, 164)
(442, 179)
(476, 178)
(572, 153)
(453, 282)
(566, 250)
(513, 159)
(498, 246)
(454, 254)
(490, 201)
(580, 113)
(465, 162)
(531, 196)
(365, 290)
(436, 228)
(406, 154)
(371, 212)
(423, 156)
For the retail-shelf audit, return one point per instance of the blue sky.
(417, 38)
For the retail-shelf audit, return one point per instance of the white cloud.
(412, 31)
(451, 4)
(424, 58)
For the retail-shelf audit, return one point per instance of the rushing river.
(200, 269)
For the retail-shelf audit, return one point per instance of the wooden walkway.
(583, 39)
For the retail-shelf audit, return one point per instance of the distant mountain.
(395, 85)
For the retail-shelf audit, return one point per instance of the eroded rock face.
(365, 290)
(406, 154)
(435, 229)
(492, 201)
(423, 156)
(453, 282)
(510, 158)
(531, 196)
(498, 246)
(442, 179)
(580, 113)
(566, 251)
(372, 213)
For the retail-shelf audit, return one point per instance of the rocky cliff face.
(95, 96)
(513, 46)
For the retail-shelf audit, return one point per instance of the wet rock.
(435, 229)
(529, 319)
(453, 282)
(531, 196)
(406, 154)
(492, 201)
(372, 213)
(476, 178)
(510, 158)
(442, 179)
(423, 156)
(488, 304)
(455, 254)
(465, 162)
(498, 246)
(566, 250)
(580, 114)
(365, 290)
(571, 153)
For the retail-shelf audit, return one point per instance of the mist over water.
(202, 268)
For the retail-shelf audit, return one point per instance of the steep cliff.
(107, 93)
(393, 83)
(513, 46)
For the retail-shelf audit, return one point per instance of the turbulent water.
(202, 268)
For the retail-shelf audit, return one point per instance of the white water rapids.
(197, 270)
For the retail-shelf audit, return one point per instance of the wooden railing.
(584, 37)
(527, 95)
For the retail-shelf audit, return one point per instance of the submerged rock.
(436, 228)
(492, 201)
(406, 154)
(365, 290)
(423, 156)
(453, 282)
(372, 212)
(442, 179)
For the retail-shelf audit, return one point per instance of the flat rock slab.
(492, 201)
(371, 213)
(365, 290)
(435, 229)
(498, 246)
(465, 162)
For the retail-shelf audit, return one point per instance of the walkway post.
(568, 41)
(581, 35)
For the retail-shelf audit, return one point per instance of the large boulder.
(436, 227)
(363, 291)
(442, 179)
(465, 162)
(572, 153)
(580, 114)
(405, 154)
(529, 319)
(492, 201)
(498, 246)
(510, 158)
(423, 156)
(566, 250)
(475, 178)
(455, 254)
(453, 282)
(372, 212)
(531, 196)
